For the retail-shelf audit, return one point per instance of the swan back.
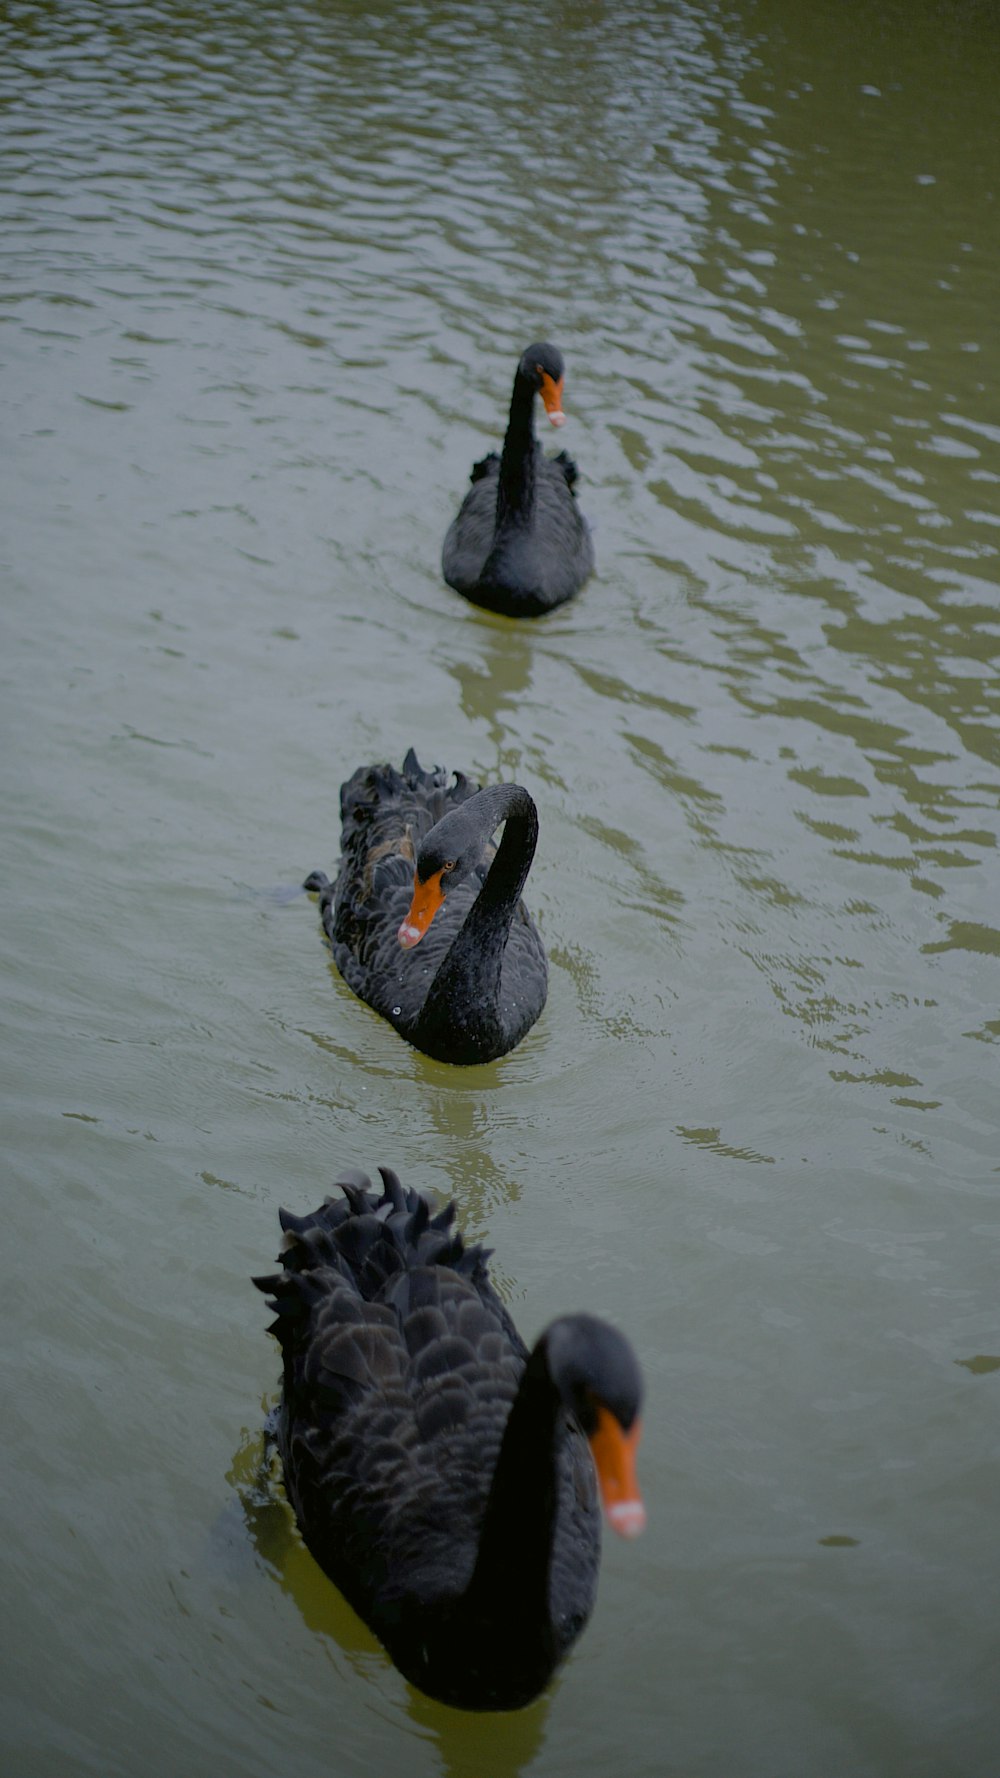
(400, 1366)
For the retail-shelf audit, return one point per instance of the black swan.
(520, 544)
(442, 1475)
(416, 869)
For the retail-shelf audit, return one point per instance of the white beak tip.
(628, 1518)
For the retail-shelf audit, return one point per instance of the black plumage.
(466, 980)
(519, 543)
(440, 1473)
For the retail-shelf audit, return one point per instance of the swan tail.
(316, 882)
(381, 786)
(487, 466)
(369, 1242)
(568, 467)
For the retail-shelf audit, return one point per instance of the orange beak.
(614, 1457)
(427, 898)
(551, 394)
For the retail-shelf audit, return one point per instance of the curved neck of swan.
(467, 984)
(516, 482)
(508, 872)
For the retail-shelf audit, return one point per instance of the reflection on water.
(270, 1524)
(491, 686)
(509, 1740)
(513, 1737)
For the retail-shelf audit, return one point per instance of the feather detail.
(478, 979)
(439, 1472)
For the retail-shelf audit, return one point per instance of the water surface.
(266, 276)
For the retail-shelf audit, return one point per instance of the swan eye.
(445, 868)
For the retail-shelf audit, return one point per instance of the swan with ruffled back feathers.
(446, 1478)
(425, 922)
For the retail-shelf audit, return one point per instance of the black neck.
(501, 1636)
(466, 988)
(515, 1545)
(499, 895)
(516, 484)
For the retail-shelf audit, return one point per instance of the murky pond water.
(266, 275)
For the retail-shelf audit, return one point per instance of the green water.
(266, 274)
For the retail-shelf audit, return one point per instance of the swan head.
(597, 1374)
(428, 895)
(446, 855)
(542, 366)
